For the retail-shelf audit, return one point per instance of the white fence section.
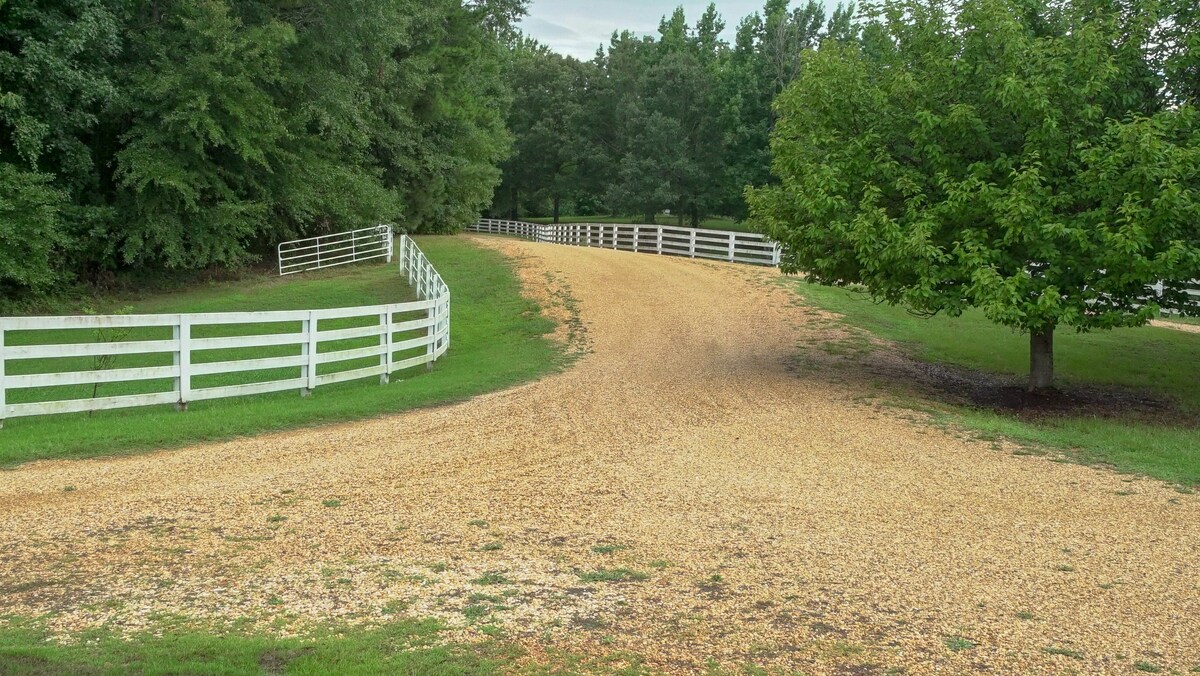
(59, 364)
(737, 247)
(340, 248)
(1175, 299)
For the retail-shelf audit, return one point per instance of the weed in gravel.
(608, 549)
(613, 575)
(1065, 652)
(491, 630)
(276, 518)
(1064, 568)
(68, 489)
(846, 649)
(332, 503)
(439, 567)
(394, 607)
(716, 578)
(659, 564)
(478, 523)
(1107, 585)
(474, 613)
(1148, 667)
(959, 643)
(1024, 615)
(492, 546)
(491, 578)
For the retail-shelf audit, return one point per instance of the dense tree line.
(184, 134)
(679, 121)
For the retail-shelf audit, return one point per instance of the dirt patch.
(1004, 394)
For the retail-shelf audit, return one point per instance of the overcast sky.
(578, 27)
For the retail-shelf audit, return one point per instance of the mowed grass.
(498, 339)
(409, 647)
(727, 224)
(1162, 362)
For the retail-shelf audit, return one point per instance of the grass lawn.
(403, 647)
(1164, 362)
(497, 340)
(663, 219)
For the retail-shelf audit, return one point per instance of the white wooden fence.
(340, 248)
(738, 247)
(1191, 297)
(60, 364)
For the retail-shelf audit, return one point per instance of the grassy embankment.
(1162, 363)
(498, 340)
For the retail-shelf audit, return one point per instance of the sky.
(578, 27)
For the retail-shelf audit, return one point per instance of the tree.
(1017, 156)
(55, 80)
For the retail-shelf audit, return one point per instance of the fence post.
(692, 245)
(732, 242)
(431, 337)
(3, 406)
(637, 236)
(658, 247)
(385, 360)
(183, 359)
(777, 258)
(310, 350)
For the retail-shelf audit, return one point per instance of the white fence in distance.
(327, 251)
(736, 247)
(46, 363)
(1176, 299)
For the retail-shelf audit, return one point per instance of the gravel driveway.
(689, 490)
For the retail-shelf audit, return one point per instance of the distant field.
(663, 219)
(496, 342)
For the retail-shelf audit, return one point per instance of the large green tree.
(1024, 157)
(157, 134)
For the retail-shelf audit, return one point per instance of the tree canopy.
(1038, 160)
(679, 121)
(186, 134)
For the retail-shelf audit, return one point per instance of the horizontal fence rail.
(736, 247)
(1175, 298)
(77, 364)
(327, 251)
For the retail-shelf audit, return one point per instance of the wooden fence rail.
(56, 364)
(737, 247)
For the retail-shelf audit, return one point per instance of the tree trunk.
(1041, 360)
(695, 217)
(649, 218)
(516, 197)
(557, 208)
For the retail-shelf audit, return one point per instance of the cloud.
(579, 27)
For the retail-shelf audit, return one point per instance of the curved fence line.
(721, 245)
(61, 364)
